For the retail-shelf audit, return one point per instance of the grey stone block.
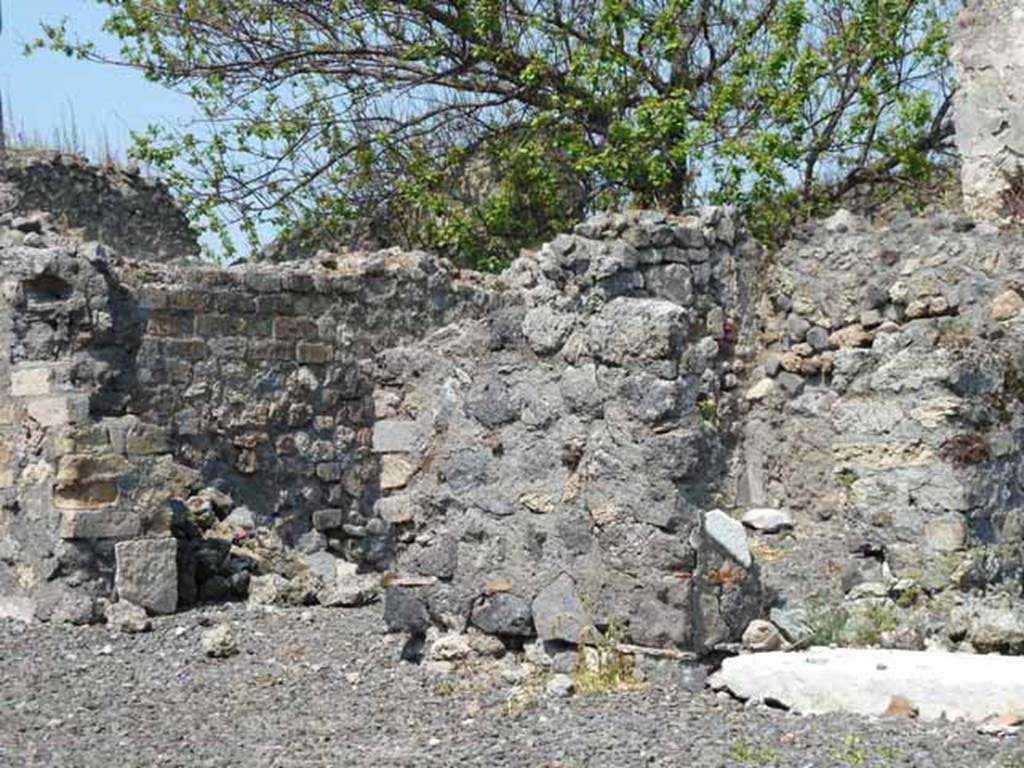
(147, 573)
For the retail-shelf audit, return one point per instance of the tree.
(479, 126)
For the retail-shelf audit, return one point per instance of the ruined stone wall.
(888, 411)
(130, 213)
(574, 416)
(549, 471)
(261, 373)
(78, 474)
(988, 49)
(562, 452)
(133, 383)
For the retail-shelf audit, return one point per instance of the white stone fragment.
(863, 681)
(729, 535)
(767, 519)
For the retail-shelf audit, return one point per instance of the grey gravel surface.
(323, 687)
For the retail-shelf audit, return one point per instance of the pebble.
(219, 642)
(560, 686)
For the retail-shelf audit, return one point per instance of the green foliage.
(847, 477)
(707, 409)
(476, 127)
(612, 671)
(871, 623)
(910, 596)
(743, 753)
(827, 625)
(851, 751)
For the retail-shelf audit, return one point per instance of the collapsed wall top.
(128, 212)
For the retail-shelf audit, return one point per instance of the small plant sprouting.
(847, 477)
(444, 688)
(745, 754)
(826, 625)
(708, 410)
(909, 596)
(876, 621)
(851, 752)
(613, 671)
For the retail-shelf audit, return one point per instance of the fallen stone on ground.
(767, 520)
(328, 688)
(865, 681)
(127, 617)
(219, 642)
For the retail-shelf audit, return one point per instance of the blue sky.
(44, 91)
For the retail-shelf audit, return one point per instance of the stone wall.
(889, 416)
(562, 452)
(130, 213)
(134, 384)
(549, 470)
(382, 410)
(989, 58)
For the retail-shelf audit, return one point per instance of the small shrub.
(847, 477)
(826, 625)
(876, 620)
(909, 596)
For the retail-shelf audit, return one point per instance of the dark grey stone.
(559, 614)
(503, 614)
(405, 610)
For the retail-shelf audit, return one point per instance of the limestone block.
(32, 381)
(147, 573)
(947, 533)
(989, 126)
(950, 685)
(54, 411)
(728, 535)
(396, 471)
(395, 509)
(394, 436)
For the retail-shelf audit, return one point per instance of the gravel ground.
(324, 687)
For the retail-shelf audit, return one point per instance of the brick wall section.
(260, 373)
(131, 384)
